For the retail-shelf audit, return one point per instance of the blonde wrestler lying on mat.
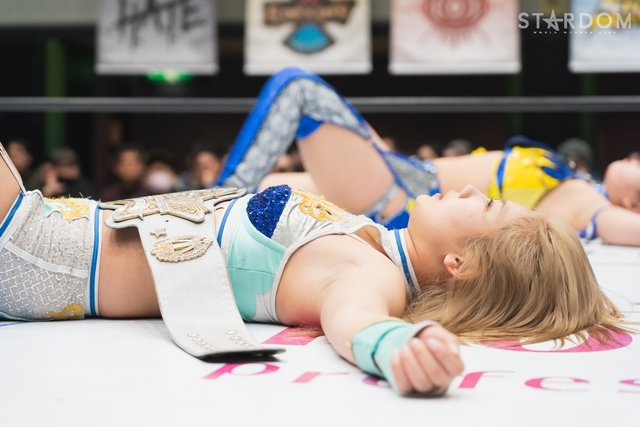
(347, 164)
(481, 269)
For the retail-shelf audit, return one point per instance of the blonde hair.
(529, 280)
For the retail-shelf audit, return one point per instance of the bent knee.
(298, 180)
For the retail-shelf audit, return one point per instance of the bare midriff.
(126, 287)
(125, 283)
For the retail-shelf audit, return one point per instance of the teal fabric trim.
(373, 346)
(366, 343)
(253, 263)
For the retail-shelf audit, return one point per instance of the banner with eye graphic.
(454, 37)
(324, 36)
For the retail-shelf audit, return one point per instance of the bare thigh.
(346, 168)
(126, 286)
(298, 180)
(9, 189)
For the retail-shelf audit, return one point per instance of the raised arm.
(619, 226)
(356, 318)
(578, 203)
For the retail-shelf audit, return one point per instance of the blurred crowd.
(136, 171)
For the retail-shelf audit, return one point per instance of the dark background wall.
(28, 55)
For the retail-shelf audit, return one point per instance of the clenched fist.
(427, 363)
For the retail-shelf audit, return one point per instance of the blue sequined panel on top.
(264, 209)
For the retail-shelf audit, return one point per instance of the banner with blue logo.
(605, 36)
(324, 36)
(454, 37)
(141, 36)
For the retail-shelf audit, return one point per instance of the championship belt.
(189, 272)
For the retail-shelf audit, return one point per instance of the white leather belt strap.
(191, 280)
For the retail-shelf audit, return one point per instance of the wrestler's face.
(622, 179)
(631, 197)
(443, 223)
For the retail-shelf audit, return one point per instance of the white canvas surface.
(129, 373)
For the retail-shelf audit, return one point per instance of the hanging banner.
(139, 36)
(324, 36)
(454, 37)
(605, 36)
(546, 7)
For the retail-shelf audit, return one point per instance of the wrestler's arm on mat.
(367, 294)
(619, 226)
(576, 201)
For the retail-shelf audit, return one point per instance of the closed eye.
(489, 204)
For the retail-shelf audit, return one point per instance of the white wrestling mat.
(129, 373)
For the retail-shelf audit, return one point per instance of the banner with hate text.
(140, 36)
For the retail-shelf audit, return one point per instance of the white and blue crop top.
(259, 233)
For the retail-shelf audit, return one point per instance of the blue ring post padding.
(94, 262)
(11, 214)
(266, 98)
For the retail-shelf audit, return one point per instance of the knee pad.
(292, 104)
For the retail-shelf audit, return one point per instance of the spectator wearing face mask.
(160, 177)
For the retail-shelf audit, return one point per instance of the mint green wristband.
(372, 346)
